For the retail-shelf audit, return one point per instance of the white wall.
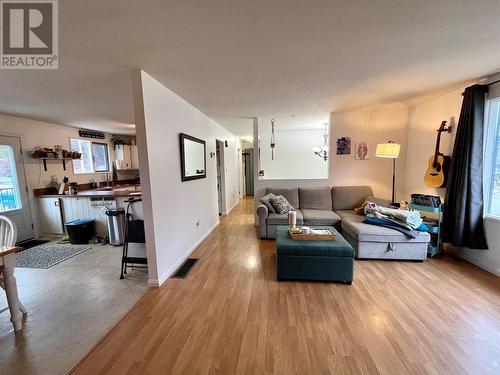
(38, 133)
(293, 156)
(374, 126)
(378, 125)
(424, 120)
(172, 208)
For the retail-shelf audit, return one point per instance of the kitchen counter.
(97, 194)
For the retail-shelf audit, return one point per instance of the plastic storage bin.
(80, 231)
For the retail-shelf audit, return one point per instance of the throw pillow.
(281, 205)
(266, 201)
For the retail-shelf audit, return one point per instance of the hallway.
(231, 316)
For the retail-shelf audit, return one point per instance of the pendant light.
(322, 152)
(273, 139)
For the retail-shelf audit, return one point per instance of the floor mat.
(46, 256)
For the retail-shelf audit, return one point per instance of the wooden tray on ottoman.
(332, 235)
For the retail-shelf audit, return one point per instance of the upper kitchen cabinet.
(126, 157)
(134, 156)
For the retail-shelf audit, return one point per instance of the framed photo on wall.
(344, 146)
(361, 149)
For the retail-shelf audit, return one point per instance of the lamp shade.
(388, 150)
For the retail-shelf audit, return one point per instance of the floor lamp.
(390, 150)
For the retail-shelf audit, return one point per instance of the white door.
(50, 215)
(14, 201)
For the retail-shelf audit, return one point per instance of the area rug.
(46, 256)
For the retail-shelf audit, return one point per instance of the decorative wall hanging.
(344, 146)
(322, 152)
(273, 139)
(361, 151)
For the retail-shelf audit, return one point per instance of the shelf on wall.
(56, 159)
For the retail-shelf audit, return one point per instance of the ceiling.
(238, 59)
(242, 127)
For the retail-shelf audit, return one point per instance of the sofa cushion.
(281, 205)
(350, 197)
(344, 214)
(266, 201)
(319, 198)
(363, 232)
(275, 218)
(319, 217)
(291, 195)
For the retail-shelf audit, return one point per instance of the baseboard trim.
(162, 278)
(477, 263)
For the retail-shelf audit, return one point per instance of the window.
(9, 185)
(492, 158)
(100, 154)
(94, 156)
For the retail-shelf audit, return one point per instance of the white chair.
(8, 236)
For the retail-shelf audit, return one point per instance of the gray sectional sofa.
(335, 206)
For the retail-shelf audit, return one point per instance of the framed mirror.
(193, 158)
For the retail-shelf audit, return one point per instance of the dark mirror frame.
(182, 138)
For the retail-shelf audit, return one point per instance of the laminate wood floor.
(231, 316)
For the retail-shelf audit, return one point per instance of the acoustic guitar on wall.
(439, 164)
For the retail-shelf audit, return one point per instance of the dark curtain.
(463, 211)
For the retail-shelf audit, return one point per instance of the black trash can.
(80, 231)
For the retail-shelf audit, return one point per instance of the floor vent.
(183, 271)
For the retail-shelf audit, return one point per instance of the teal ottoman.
(330, 260)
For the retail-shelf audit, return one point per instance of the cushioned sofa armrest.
(262, 211)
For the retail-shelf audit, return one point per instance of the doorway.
(14, 200)
(219, 155)
(248, 172)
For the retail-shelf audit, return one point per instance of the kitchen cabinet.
(75, 208)
(51, 215)
(134, 156)
(126, 157)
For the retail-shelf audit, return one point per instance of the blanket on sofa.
(410, 219)
(391, 224)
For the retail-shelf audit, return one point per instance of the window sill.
(494, 219)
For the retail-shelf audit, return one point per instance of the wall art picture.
(361, 151)
(344, 146)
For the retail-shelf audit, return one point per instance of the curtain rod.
(492, 83)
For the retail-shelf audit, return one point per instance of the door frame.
(23, 171)
(248, 167)
(220, 168)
